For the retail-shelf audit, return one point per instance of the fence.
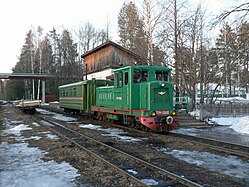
(228, 109)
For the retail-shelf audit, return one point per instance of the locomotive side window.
(118, 79)
(161, 76)
(126, 78)
(136, 75)
(120, 82)
(144, 76)
(140, 76)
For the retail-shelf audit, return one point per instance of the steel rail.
(196, 139)
(135, 180)
(164, 172)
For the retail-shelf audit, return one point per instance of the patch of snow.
(17, 129)
(73, 122)
(132, 171)
(230, 165)
(53, 137)
(150, 182)
(90, 126)
(242, 125)
(63, 118)
(35, 124)
(45, 112)
(225, 121)
(23, 166)
(118, 134)
(33, 138)
(47, 123)
(238, 124)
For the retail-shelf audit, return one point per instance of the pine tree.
(70, 67)
(243, 55)
(226, 49)
(131, 30)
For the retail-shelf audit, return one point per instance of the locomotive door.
(125, 92)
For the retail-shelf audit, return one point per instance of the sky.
(17, 17)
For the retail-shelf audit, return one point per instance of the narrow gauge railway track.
(221, 146)
(118, 159)
(234, 149)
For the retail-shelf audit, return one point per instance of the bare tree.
(88, 37)
(242, 9)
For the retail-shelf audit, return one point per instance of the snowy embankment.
(238, 124)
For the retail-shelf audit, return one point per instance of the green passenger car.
(80, 96)
(142, 96)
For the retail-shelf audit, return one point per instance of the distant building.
(100, 62)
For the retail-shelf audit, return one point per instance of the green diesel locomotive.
(139, 96)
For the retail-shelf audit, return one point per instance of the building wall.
(109, 56)
(101, 74)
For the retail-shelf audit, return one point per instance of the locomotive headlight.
(173, 113)
(162, 84)
(153, 114)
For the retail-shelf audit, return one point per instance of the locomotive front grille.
(161, 98)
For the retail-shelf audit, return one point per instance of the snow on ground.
(238, 124)
(21, 165)
(56, 115)
(63, 118)
(230, 165)
(149, 182)
(117, 134)
(43, 111)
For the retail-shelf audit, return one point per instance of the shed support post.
(43, 91)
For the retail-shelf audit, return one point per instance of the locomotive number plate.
(162, 112)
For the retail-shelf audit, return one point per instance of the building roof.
(109, 42)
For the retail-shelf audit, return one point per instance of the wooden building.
(110, 56)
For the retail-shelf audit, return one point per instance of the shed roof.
(109, 42)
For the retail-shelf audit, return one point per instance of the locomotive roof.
(145, 67)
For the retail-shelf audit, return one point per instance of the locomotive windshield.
(140, 76)
(161, 76)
